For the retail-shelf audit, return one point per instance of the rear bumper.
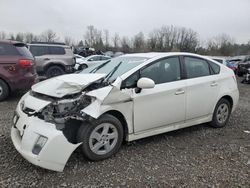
(69, 68)
(56, 151)
(23, 83)
(235, 96)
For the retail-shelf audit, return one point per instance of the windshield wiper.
(111, 73)
(100, 66)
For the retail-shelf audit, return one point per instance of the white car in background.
(93, 60)
(222, 60)
(130, 97)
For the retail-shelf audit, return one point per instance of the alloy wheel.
(103, 138)
(222, 113)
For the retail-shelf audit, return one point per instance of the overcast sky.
(127, 17)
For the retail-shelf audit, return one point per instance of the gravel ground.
(198, 156)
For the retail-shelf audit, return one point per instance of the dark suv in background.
(17, 68)
(52, 59)
(243, 66)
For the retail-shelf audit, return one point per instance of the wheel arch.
(5, 81)
(122, 119)
(229, 98)
(54, 64)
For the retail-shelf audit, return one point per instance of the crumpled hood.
(66, 84)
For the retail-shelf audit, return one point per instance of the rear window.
(105, 58)
(56, 50)
(23, 50)
(8, 49)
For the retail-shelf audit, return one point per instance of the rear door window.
(196, 67)
(8, 49)
(39, 50)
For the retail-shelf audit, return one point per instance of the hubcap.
(103, 138)
(222, 113)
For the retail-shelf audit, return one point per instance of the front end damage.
(47, 118)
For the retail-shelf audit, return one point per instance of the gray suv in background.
(52, 59)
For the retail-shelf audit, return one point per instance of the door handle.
(213, 84)
(46, 59)
(179, 92)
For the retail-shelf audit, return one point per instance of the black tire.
(240, 74)
(87, 129)
(82, 67)
(54, 70)
(4, 90)
(216, 122)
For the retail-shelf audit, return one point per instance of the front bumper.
(56, 151)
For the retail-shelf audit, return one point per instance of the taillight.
(25, 62)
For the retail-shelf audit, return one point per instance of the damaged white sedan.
(127, 98)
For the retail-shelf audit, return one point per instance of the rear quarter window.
(56, 50)
(215, 67)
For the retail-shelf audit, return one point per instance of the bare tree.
(106, 39)
(222, 44)
(19, 37)
(30, 37)
(68, 40)
(125, 45)
(3, 35)
(139, 43)
(116, 41)
(49, 36)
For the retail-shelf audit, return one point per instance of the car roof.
(161, 54)
(44, 44)
(11, 42)
(217, 57)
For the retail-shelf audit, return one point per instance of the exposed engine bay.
(69, 107)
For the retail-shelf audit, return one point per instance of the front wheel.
(101, 138)
(221, 113)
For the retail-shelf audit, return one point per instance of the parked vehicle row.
(127, 98)
(243, 66)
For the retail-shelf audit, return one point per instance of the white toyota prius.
(127, 98)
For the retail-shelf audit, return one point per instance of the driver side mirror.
(144, 83)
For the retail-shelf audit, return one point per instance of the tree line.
(164, 39)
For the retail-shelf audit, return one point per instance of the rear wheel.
(239, 73)
(4, 90)
(101, 139)
(54, 70)
(221, 114)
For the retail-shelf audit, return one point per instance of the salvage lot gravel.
(198, 156)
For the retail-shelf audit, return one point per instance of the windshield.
(118, 66)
